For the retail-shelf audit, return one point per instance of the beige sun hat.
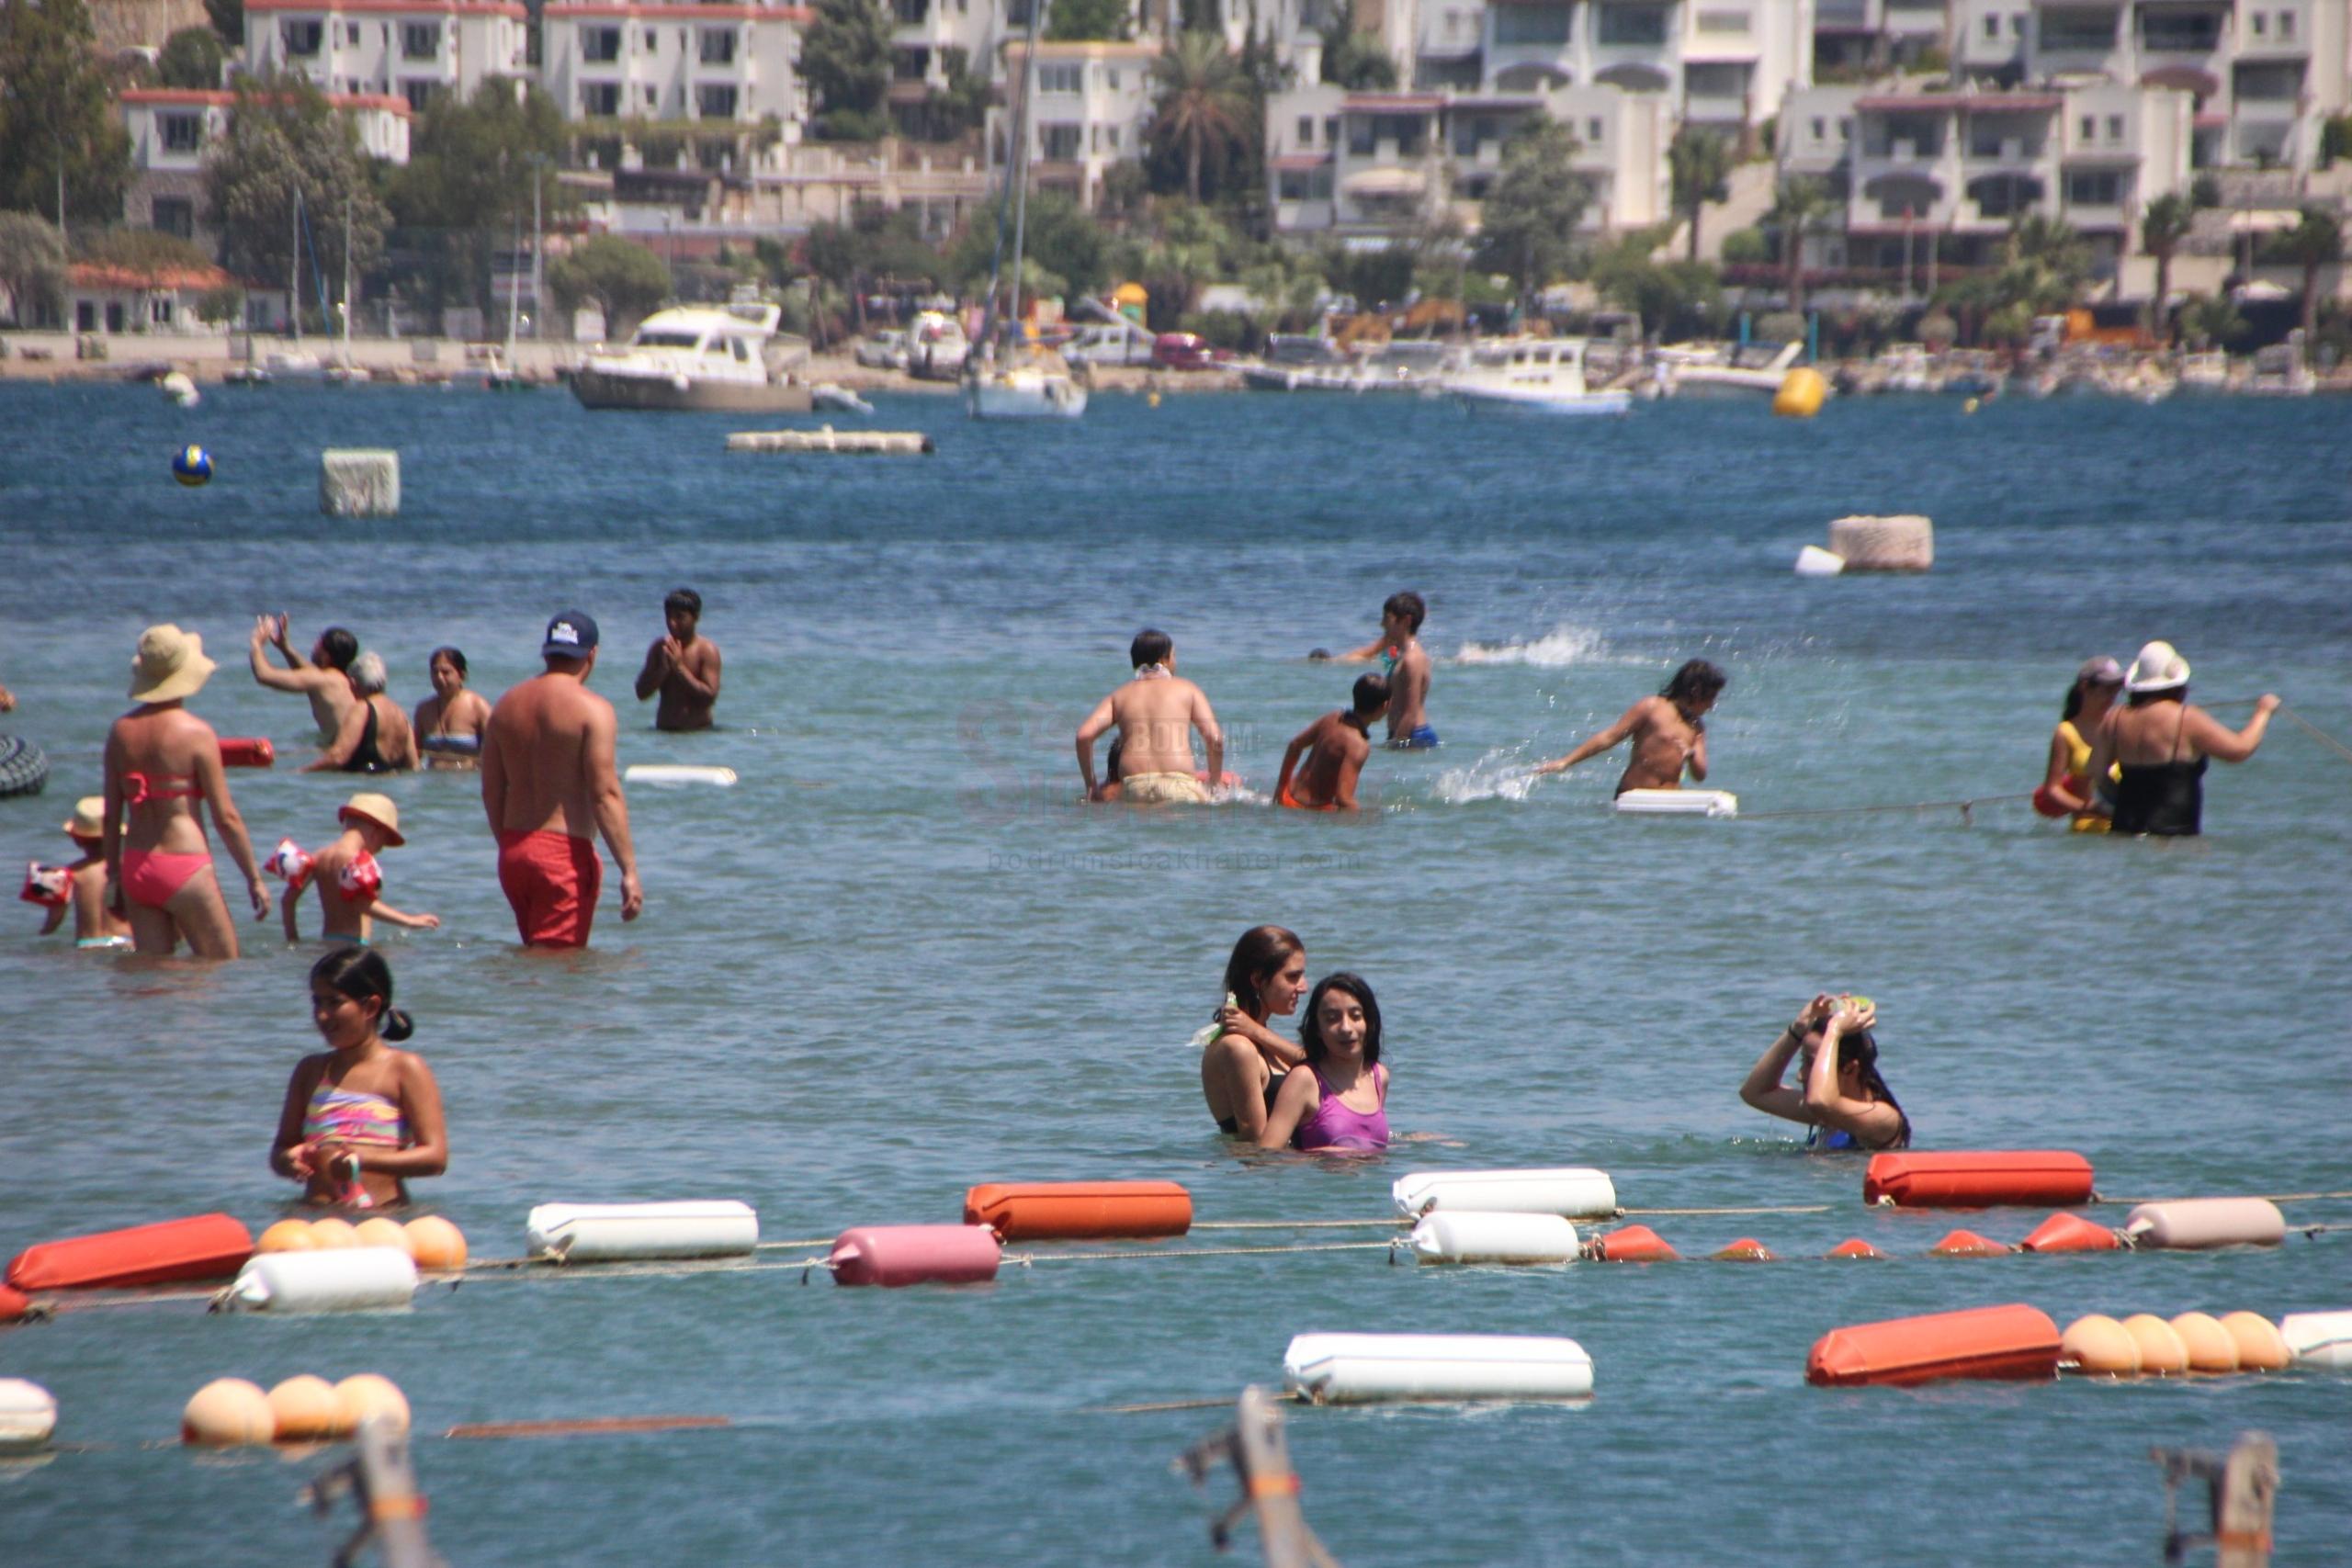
(170, 664)
(375, 809)
(2159, 668)
(89, 820)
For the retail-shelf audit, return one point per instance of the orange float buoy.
(1079, 1210)
(2210, 1347)
(227, 1412)
(288, 1236)
(436, 1243)
(206, 1247)
(1967, 1243)
(1746, 1249)
(246, 751)
(2014, 1341)
(382, 1231)
(14, 1305)
(330, 1233)
(2100, 1345)
(2261, 1348)
(304, 1409)
(2162, 1354)
(2071, 1233)
(1977, 1180)
(1854, 1247)
(364, 1394)
(1633, 1244)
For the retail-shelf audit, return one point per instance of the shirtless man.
(320, 677)
(1335, 747)
(1406, 665)
(682, 666)
(1155, 714)
(1668, 732)
(547, 781)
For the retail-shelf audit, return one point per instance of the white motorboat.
(1532, 374)
(1687, 372)
(1040, 391)
(293, 364)
(701, 358)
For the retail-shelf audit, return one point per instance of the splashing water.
(1561, 646)
(1498, 776)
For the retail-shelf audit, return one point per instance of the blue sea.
(898, 959)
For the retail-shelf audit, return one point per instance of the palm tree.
(1701, 163)
(2164, 224)
(2048, 266)
(1803, 207)
(2315, 243)
(1202, 99)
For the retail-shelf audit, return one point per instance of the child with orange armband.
(349, 880)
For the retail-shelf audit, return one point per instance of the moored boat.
(701, 358)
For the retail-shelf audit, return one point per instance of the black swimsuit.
(364, 758)
(2164, 799)
(1227, 1125)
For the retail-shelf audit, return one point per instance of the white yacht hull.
(603, 388)
(1493, 399)
(1022, 397)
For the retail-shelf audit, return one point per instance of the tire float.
(2015, 1342)
(1573, 1194)
(618, 1232)
(363, 1279)
(1380, 1369)
(895, 1255)
(1494, 1238)
(1977, 1180)
(2196, 1223)
(1079, 1210)
(247, 752)
(28, 1416)
(206, 1247)
(2319, 1338)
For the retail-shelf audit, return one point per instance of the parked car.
(937, 347)
(1185, 351)
(884, 350)
(1099, 343)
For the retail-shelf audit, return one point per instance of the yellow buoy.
(436, 1243)
(332, 1233)
(2210, 1347)
(227, 1412)
(2099, 1344)
(288, 1236)
(2261, 1348)
(364, 1394)
(2161, 1352)
(1801, 393)
(306, 1409)
(382, 1231)
(1969, 406)
(1151, 399)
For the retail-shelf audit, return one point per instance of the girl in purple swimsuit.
(1340, 1103)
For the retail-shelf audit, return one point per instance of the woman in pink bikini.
(1340, 1103)
(360, 1118)
(161, 760)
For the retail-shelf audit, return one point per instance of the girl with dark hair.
(1340, 1103)
(1243, 1060)
(1843, 1100)
(449, 723)
(1668, 732)
(2066, 789)
(359, 1117)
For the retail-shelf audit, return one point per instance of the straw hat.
(170, 664)
(2159, 668)
(89, 817)
(375, 809)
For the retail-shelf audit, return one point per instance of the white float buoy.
(354, 1279)
(1905, 542)
(1815, 562)
(1459, 1236)
(677, 773)
(611, 1232)
(1375, 1369)
(1676, 802)
(2189, 1224)
(360, 482)
(28, 1416)
(2319, 1338)
(1572, 1193)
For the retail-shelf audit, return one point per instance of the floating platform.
(867, 443)
(1677, 803)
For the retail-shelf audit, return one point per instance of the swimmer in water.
(1243, 1064)
(322, 676)
(449, 723)
(1843, 1098)
(2065, 783)
(375, 737)
(95, 925)
(683, 666)
(1340, 1101)
(2160, 741)
(1406, 664)
(349, 880)
(1668, 732)
(1334, 747)
(360, 1118)
(1155, 713)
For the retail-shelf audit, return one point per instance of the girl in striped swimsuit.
(359, 1118)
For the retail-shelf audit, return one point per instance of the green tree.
(228, 19)
(1699, 162)
(222, 307)
(1355, 61)
(1062, 239)
(284, 140)
(32, 264)
(1078, 20)
(962, 106)
(1672, 298)
(846, 60)
(1204, 102)
(2164, 225)
(626, 281)
(141, 250)
(1287, 285)
(2046, 265)
(1746, 245)
(2317, 241)
(2210, 321)
(467, 187)
(191, 57)
(1528, 224)
(1803, 207)
(57, 117)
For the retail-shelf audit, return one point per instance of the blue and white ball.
(192, 466)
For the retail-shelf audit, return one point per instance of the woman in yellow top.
(2066, 788)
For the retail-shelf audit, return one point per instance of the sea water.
(900, 959)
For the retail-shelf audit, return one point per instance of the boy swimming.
(1668, 732)
(1334, 747)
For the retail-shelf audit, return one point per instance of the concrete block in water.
(1905, 543)
(360, 482)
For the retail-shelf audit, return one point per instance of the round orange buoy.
(247, 752)
(2014, 1341)
(1912, 1180)
(330, 1233)
(382, 1231)
(1633, 1244)
(364, 1394)
(436, 1243)
(2161, 1352)
(2261, 1348)
(2100, 1345)
(1854, 1247)
(2209, 1346)
(1967, 1243)
(1746, 1249)
(1079, 1210)
(288, 1236)
(228, 1413)
(2070, 1232)
(304, 1409)
(205, 1246)
(14, 1305)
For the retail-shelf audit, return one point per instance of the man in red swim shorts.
(548, 778)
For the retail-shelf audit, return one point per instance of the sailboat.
(1015, 380)
(294, 364)
(343, 372)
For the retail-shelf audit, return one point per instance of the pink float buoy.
(914, 1255)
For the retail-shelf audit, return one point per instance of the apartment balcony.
(2286, 33)
(1715, 110)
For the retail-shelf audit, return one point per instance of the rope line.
(2317, 734)
(1791, 1208)
(1024, 1259)
(1962, 806)
(2270, 1197)
(1297, 1225)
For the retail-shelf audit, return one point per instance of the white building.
(1090, 106)
(1723, 63)
(731, 64)
(1878, 35)
(407, 49)
(172, 129)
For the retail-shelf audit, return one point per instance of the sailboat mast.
(294, 269)
(1021, 164)
(346, 279)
